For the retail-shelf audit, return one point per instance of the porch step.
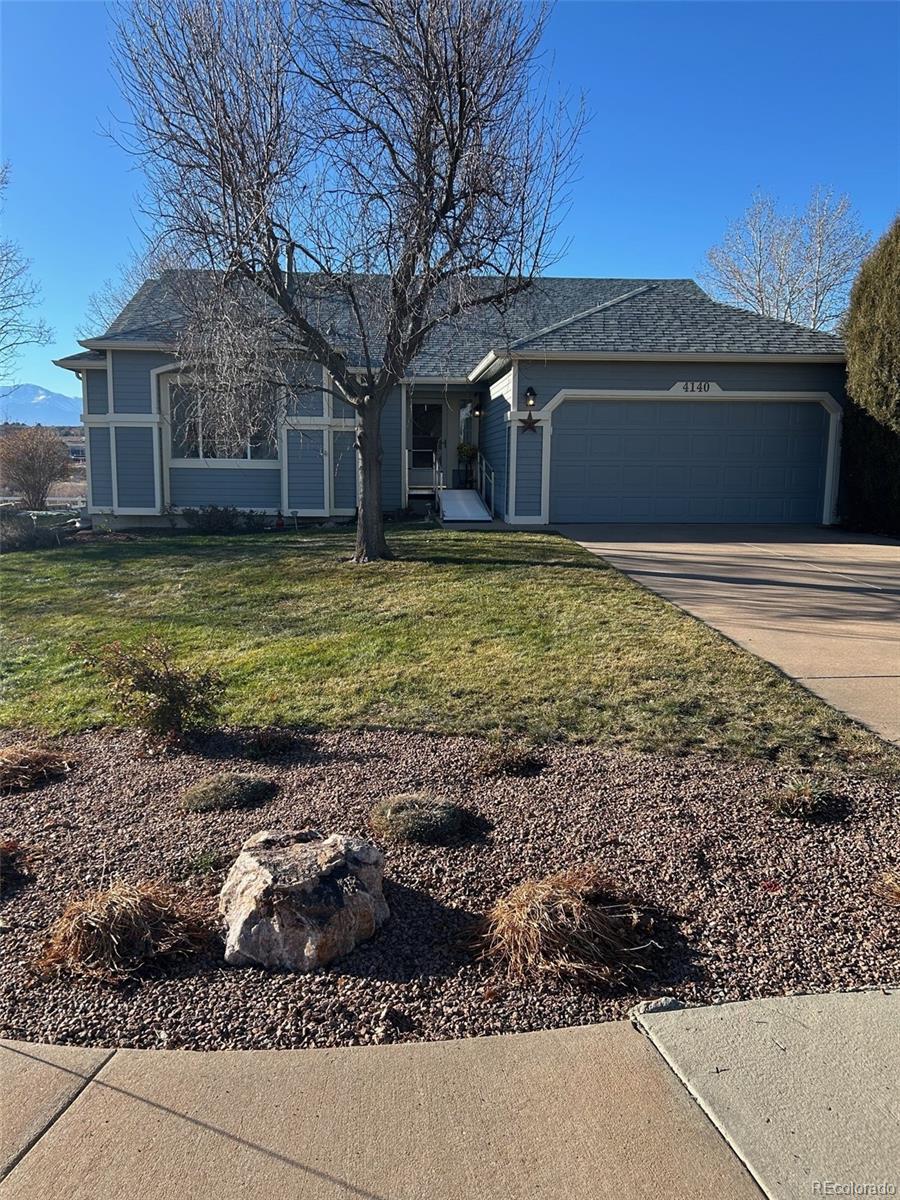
(462, 504)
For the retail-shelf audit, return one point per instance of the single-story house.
(632, 400)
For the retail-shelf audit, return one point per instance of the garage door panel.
(688, 461)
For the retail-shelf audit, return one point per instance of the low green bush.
(18, 531)
(230, 789)
(417, 817)
(216, 519)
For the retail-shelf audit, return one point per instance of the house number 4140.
(692, 386)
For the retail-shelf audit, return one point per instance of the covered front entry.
(683, 460)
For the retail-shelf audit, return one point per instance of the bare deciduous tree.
(794, 266)
(32, 459)
(18, 296)
(344, 178)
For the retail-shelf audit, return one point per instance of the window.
(194, 435)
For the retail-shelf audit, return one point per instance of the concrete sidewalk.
(688, 1103)
(577, 1114)
(822, 605)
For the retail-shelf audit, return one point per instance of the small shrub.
(13, 862)
(270, 742)
(800, 796)
(25, 764)
(887, 887)
(19, 532)
(502, 755)
(163, 699)
(230, 789)
(222, 520)
(207, 862)
(417, 817)
(253, 522)
(567, 926)
(112, 935)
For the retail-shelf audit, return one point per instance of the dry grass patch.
(26, 764)
(887, 887)
(417, 817)
(112, 935)
(569, 926)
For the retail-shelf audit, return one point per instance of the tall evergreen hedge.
(872, 332)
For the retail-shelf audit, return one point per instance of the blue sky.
(694, 105)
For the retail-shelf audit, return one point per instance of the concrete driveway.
(822, 605)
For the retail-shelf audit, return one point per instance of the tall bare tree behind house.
(796, 266)
(343, 177)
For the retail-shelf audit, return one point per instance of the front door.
(426, 435)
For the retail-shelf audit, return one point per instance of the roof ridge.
(579, 316)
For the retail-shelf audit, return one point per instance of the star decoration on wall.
(530, 423)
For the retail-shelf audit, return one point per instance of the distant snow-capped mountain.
(29, 404)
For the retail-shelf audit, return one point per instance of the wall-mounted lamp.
(530, 396)
(476, 410)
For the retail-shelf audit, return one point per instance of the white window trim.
(544, 417)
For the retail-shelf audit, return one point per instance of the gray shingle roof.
(639, 316)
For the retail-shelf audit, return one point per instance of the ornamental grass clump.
(417, 817)
(112, 935)
(515, 756)
(229, 789)
(569, 926)
(887, 887)
(26, 764)
(167, 701)
(800, 796)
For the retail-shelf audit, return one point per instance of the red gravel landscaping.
(745, 904)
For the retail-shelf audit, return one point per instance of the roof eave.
(127, 344)
(676, 355)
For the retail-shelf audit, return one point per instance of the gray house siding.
(101, 466)
(135, 468)
(392, 449)
(548, 378)
(195, 487)
(343, 467)
(131, 379)
(305, 470)
(96, 391)
(529, 458)
(493, 437)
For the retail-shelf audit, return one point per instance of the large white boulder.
(298, 900)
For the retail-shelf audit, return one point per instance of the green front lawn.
(466, 632)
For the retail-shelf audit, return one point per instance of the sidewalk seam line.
(5, 1174)
(707, 1112)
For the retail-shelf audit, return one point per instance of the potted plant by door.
(466, 454)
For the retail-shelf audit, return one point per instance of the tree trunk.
(370, 541)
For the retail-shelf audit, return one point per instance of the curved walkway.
(800, 1090)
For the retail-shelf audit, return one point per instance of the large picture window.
(195, 435)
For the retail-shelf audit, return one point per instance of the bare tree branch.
(346, 176)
